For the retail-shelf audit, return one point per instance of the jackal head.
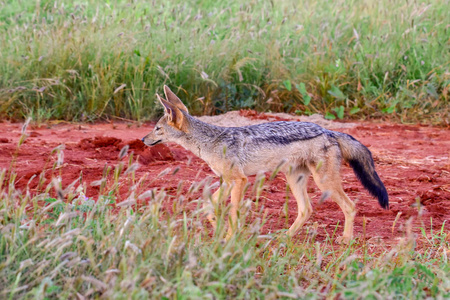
(173, 124)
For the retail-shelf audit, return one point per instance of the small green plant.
(302, 89)
(330, 116)
(339, 112)
(336, 93)
(85, 204)
(287, 84)
(54, 209)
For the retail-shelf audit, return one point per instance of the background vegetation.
(85, 60)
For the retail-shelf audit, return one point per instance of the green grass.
(85, 60)
(56, 243)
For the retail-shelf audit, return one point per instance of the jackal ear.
(172, 98)
(174, 115)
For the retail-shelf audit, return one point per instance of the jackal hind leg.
(327, 176)
(297, 181)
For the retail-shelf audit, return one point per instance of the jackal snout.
(150, 139)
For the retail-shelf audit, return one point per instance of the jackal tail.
(361, 161)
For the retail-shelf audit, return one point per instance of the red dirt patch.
(412, 161)
(147, 154)
(99, 142)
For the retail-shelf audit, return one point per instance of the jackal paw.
(343, 240)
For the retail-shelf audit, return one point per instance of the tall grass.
(57, 243)
(83, 60)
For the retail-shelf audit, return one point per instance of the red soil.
(412, 161)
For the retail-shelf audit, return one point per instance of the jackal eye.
(157, 128)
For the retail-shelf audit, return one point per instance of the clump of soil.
(159, 152)
(99, 142)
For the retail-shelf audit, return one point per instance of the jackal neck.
(199, 135)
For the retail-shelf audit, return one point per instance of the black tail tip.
(383, 198)
(370, 180)
(384, 203)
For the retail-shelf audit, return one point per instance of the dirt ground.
(412, 161)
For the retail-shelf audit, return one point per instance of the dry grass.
(57, 243)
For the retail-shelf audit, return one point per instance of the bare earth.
(412, 161)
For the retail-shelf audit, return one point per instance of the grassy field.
(85, 60)
(57, 243)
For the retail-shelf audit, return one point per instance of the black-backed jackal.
(298, 149)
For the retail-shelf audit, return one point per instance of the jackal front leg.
(216, 198)
(237, 192)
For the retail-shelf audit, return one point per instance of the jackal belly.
(282, 157)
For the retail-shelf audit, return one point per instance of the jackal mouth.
(154, 143)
